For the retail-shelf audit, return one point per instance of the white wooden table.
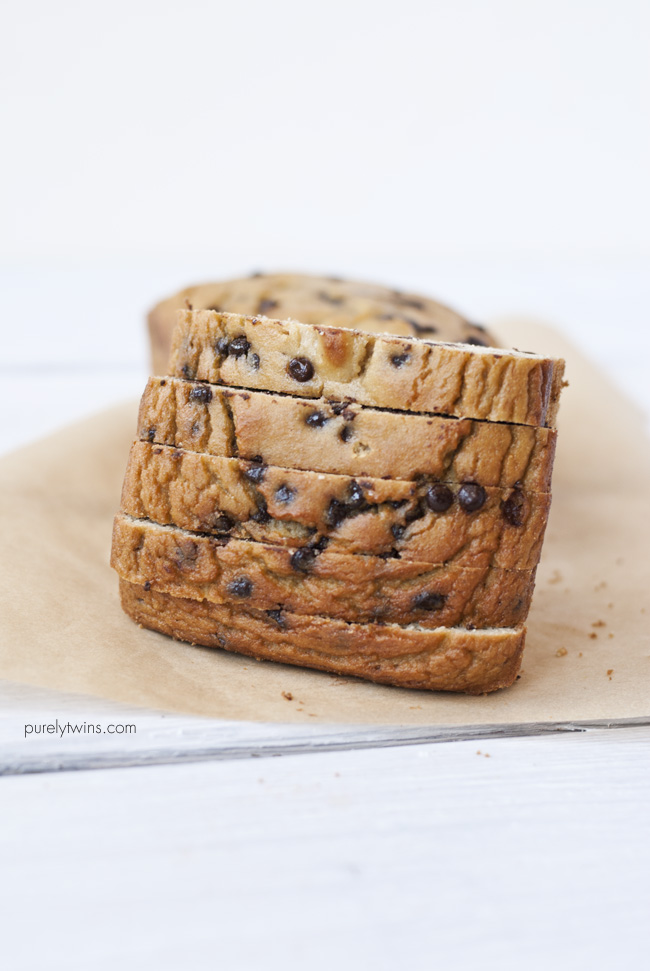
(353, 852)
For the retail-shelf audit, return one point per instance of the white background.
(493, 154)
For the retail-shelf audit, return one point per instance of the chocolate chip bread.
(425, 520)
(316, 300)
(344, 438)
(446, 659)
(358, 588)
(363, 504)
(383, 371)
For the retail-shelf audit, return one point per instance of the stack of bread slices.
(364, 504)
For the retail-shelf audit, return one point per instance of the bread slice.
(316, 300)
(426, 521)
(409, 374)
(445, 659)
(347, 439)
(353, 588)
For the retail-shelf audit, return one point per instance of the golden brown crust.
(291, 508)
(474, 662)
(356, 441)
(382, 371)
(353, 588)
(315, 300)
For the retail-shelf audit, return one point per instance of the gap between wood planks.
(298, 742)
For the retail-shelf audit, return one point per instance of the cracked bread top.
(316, 300)
(411, 375)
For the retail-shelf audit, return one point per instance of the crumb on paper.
(610, 673)
(415, 707)
(599, 623)
(312, 715)
(610, 605)
(561, 652)
(579, 653)
(188, 305)
(555, 577)
(487, 755)
(600, 586)
(610, 634)
(593, 635)
(287, 695)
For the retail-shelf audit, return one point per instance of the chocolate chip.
(147, 585)
(266, 304)
(328, 298)
(285, 494)
(346, 433)
(399, 360)
(277, 616)
(255, 473)
(476, 340)
(316, 419)
(163, 383)
(514, 508)
(255, 362)
(240, 587)
(421, 328)
(338, 406)
(258, 459)
(398, 530)
(301, 369)
(222, 346)
(223, 523)
(262, 514)
(202, 394)
(303, 559)
(439, 497)
(416, 512)
(356, 497)
(239, 345)
(428, 600)
(150, 433)
(321, 544)
(471, 496)
(336, 512)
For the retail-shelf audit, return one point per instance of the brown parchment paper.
(588, 647)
